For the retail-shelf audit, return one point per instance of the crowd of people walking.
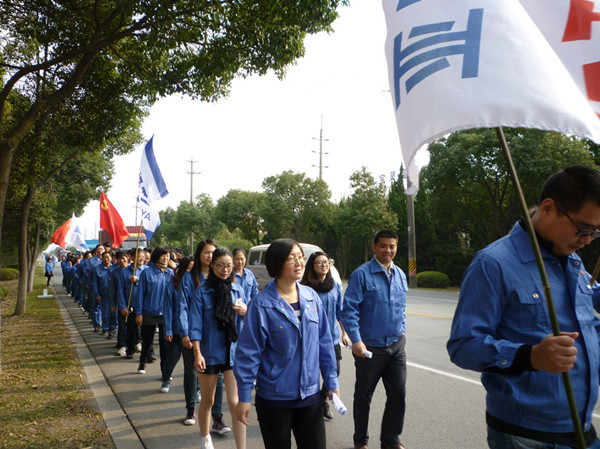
(274, 345)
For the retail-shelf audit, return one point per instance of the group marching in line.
(280, 341)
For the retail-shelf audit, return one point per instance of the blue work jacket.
(99, 281)
(113, 285)
(284, 354)
(187, 287)
(203, 326)
(123, 296)
(49, 267)
(171, 320)
(332, 303)
(248, 282)
(501, 307)
(152, 291)
(374, 309)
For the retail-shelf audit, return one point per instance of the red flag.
(60, 234)
(111, 221)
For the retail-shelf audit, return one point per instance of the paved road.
(445, 405)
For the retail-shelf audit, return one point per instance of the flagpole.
(546, 284)
(137, 248)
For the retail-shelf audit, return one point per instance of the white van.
(256, 263)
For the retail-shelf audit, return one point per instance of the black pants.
(388, 364)
(306, 423)
(148, 332)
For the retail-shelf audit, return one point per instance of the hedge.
(3, 292)
(432, 279)
(8, 274)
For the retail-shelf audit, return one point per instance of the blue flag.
(152, 187)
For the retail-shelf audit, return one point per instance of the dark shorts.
(216, 369)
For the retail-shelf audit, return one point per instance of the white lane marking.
(445, 373)
(457, 377)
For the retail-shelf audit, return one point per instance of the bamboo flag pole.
(546, 284)
(137, 248)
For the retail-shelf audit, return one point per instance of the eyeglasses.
(581, 232)
(322, 263)
(221, 267)
(293, 260)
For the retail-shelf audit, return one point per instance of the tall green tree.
(153, 48)
(470, 193)
(295, 206)
(240, 209)
(361, 215)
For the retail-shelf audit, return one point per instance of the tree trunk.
(7, 151)
(33, 257)
(21, 305)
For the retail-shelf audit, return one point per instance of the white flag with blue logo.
(151, 188)
(456, 65)
(75, 237)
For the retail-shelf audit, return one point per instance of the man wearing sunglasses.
(502, 329)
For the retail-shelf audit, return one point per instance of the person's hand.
(124, 312)
(98, 299)
(358, 349)
(186, 342)
(555, 354)
(330, 393)
(169, 338)
(139, 320)
(199, 362)
(346, 340)
(133, 278)
(240, 309)
(113, 309)
(242, 411)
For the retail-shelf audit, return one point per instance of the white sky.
(267, 126)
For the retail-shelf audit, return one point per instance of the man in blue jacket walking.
(375, 320)
(501, 326)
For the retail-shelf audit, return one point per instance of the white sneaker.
(206, 442)
(122, 351)
(138, 347)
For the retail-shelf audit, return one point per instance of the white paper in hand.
(338, 404)
(368, 354)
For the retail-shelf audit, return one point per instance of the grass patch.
(44, 401)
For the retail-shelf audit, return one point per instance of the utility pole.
(321, 150)
(192, 173)
(412, 247)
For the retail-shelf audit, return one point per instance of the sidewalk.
(136, 413)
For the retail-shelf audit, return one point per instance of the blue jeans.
(217, 408)
(500, 440)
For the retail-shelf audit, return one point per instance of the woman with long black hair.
(317, 275)
(216, 316)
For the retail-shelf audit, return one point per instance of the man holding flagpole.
(501, 326)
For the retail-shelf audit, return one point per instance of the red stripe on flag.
(579, 24)
(591, 73)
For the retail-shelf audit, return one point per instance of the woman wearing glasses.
(216, 312)
(317, 275)
(285, 344)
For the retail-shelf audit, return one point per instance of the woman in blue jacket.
(243, 275)
(216, 316)
(149, 306)
(49, 270)
(317, 275)
(284, 344)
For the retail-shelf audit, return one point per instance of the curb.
(119, 427)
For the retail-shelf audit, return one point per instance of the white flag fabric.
(151, 188)
(75, 237)
(473, 64)
(573, 31)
